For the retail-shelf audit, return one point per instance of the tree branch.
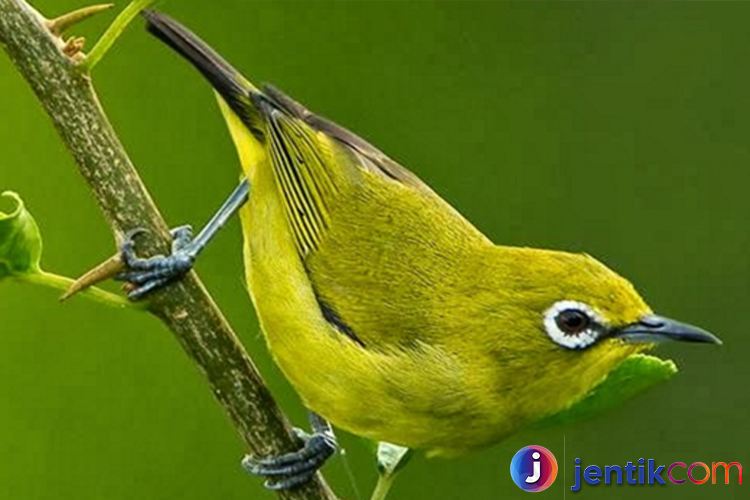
(185, 308)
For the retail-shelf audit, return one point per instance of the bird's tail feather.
(235, 89)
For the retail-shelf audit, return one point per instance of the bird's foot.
(147, 275)
(290, 470)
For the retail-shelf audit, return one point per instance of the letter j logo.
(533, 468)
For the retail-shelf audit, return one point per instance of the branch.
(185, 307)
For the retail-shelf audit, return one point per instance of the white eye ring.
(579, 341)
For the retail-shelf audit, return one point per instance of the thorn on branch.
(61, 24)
(107, 269)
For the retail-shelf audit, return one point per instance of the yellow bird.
(389, 312)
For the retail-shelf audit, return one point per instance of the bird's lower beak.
(658, 328)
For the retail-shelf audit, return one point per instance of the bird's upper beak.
(658, 328)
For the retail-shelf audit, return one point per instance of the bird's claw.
(290, 470)
(147, 275)
(182, 236)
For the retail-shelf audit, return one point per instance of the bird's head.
(573, 321)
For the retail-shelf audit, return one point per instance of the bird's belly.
(420, 398)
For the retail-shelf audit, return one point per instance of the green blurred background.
(621, 129)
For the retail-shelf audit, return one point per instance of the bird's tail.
(236, 90)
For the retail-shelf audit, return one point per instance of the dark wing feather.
(370, 156)
(304, 181)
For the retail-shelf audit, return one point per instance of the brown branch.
(185, 307)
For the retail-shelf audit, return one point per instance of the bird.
(393, 317)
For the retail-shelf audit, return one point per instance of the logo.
(650, 473)
(533, 468)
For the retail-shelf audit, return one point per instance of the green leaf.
(391, 458)
(20, 241)
(633, 376)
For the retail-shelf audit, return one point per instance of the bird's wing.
(370, 156)
(381, 249)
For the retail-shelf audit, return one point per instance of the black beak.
(658, 328)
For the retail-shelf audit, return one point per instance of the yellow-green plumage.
(392, 315)
(450, 322)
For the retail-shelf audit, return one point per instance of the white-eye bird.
(390, 313)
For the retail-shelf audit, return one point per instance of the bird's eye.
(573, 325)
(572, 321)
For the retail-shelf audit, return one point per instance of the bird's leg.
(150, 274)
(293, 469)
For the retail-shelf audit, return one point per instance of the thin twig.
(185, 307)
(113, 33)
